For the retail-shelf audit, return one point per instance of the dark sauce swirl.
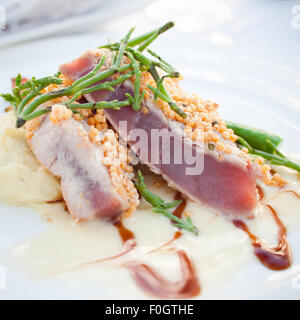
(260, 192)
(153, 283)
(150, 280)
(277, 258)
(188, 286)
(178, 212)
(294, 193)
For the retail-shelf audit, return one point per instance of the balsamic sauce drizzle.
(150, 280)
(279, 257)
(276, 258)
(260, 192)
(124, 233)
(153, 283)
(296, 194)
(181, 207)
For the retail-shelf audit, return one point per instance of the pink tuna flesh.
(85, 181)
(228, 185)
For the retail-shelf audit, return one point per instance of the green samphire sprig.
(28, 98)
(162, 207)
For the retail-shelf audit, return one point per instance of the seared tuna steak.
(228, 179)
(92, 183)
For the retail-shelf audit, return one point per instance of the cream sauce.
(169, 262)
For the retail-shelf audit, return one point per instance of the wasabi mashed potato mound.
(23, 181)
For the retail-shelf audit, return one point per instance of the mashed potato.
(23, 181)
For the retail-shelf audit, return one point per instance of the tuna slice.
(66, 151)
(228, 181)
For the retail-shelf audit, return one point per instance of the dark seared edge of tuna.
(225, 185)
(85, 182)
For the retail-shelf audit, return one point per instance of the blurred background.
(241, 53)
(269, 27)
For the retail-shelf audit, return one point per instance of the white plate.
(255, 92)
(76, 23)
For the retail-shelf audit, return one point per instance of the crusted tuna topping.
(60, 113)
(31, 126)
(203, 124)
(116, 159)
(268, 176)
(98, 120)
